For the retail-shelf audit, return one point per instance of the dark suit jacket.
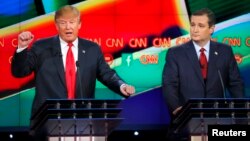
(182, 78)
(44, 58)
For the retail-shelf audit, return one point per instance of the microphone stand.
(222, 84)
(79, 77)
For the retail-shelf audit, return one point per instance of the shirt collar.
(65, 44)
(206, 47)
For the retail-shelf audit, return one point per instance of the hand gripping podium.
(77, 120)
(197, 114)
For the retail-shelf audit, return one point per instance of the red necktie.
(70, 73)
(203, 63)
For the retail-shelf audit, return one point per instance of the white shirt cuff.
(123, 85)
(20, 49)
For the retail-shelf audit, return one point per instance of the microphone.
(222, 84)
(58, 53)
(79, 77)
(221, 80)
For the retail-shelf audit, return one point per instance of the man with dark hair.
(195, 69)
(54, 61)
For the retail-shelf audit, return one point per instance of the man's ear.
(212, 29)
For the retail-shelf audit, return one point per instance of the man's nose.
(68, 25)
(196, 28)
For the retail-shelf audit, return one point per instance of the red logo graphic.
(108, 58)
(238, 58)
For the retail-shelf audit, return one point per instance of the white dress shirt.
(64, 50)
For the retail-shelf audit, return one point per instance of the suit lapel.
(213, 56)
(82, 50)
(192, 56)
(56, 50)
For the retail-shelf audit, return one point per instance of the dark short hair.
(208, 12)
(65, 9)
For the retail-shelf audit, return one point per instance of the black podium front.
(81, 119)
(197, 114)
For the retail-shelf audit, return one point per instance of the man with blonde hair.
(57, 61)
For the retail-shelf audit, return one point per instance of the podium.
(77, 120)
(197, 114)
